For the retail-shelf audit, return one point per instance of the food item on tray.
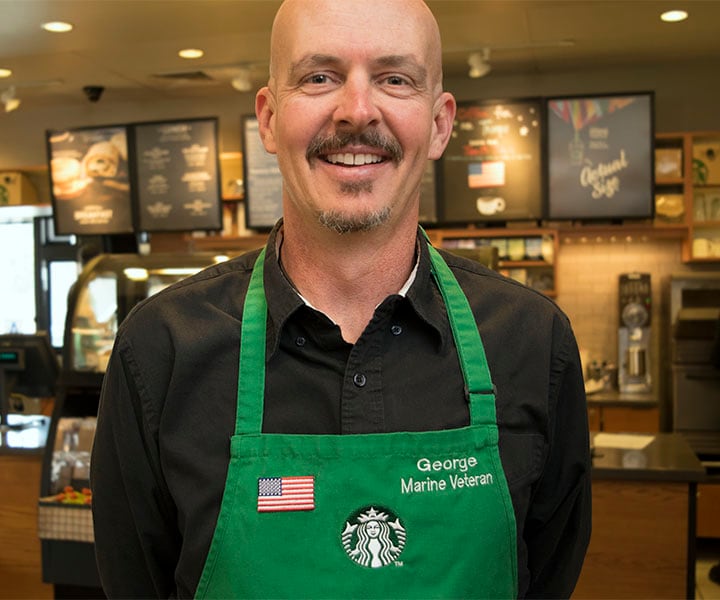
(70, 495)
(102, 160)
(68, 178)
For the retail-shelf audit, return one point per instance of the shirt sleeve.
(136, 542)
(559, 520)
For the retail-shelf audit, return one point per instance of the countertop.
(616, 398)
(658, 457)
(30, 439)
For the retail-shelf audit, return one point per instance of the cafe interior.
(584, 163)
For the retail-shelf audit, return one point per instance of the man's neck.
(347, 276)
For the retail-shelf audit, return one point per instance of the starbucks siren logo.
(373, 537)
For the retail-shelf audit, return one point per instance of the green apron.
(389, 515)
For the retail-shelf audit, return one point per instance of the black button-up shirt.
(169, 398)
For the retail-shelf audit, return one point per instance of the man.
(321, 419)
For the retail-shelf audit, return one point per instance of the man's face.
(352, 109)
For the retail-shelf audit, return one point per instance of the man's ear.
(265, 113)
(444, 111)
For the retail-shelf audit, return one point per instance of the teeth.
(354, 159)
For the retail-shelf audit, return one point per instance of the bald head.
(374, 24)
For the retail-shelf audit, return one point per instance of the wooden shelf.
(669, 231)
(519, 264)
(714, 224)
(670, 181)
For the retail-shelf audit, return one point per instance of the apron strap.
(251, 370)
(473, 362)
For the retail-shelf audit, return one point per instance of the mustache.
(327, 144)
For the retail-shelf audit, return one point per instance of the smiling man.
(347, 412)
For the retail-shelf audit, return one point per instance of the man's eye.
(396, 80)
(317, 78)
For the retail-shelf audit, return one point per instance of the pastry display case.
(108, 287)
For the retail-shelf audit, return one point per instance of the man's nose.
(357, 106)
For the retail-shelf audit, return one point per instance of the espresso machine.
(634, 333)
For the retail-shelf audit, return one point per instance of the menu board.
(600, 157)
(492, 167)
(263, 181)
(90, 184)
(178, 187)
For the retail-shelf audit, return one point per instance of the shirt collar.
(283, 300)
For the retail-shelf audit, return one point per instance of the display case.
(107, 289)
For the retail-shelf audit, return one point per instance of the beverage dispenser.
(634, 333)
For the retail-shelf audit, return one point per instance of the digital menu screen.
(90, 180)
(177, 167)
(492, 167)
(600, 157)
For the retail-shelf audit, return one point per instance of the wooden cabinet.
(20, 563)
(624, 419)
(708, 510)
(639, 544)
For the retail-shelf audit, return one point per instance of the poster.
(177, 167)
(600, 157)
(492, 167)
(263, 182)
(90, 182)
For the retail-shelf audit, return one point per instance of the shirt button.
(396, 329)
(300, 341)
(359, 379)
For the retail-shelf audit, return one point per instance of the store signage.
(492, 167)
(263, 181)
(90, 180)
(144, 177)
(178, 187)
(600, 157)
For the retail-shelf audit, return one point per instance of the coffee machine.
(634, 333)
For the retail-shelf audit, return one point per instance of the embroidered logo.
(373, 537)
(286, 493)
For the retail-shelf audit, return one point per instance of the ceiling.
(129, 47)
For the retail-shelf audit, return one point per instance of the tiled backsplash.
(587, 275)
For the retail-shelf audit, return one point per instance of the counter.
(644, 512)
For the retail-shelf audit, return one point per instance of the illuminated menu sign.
(492, 167)
(178, 187)
(90, 180)
(600, 157)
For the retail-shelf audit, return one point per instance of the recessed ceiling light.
(57, 26)
(673, 16)
(5, 73)
(191, 53)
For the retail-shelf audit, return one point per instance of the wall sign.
(263, 181)
(492, 167)
(177, 166)
(600, 156)
(90, 181)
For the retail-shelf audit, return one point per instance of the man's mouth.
(338, 149)
(349, 159)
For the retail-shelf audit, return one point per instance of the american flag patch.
(486, 174)
(286, 493)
